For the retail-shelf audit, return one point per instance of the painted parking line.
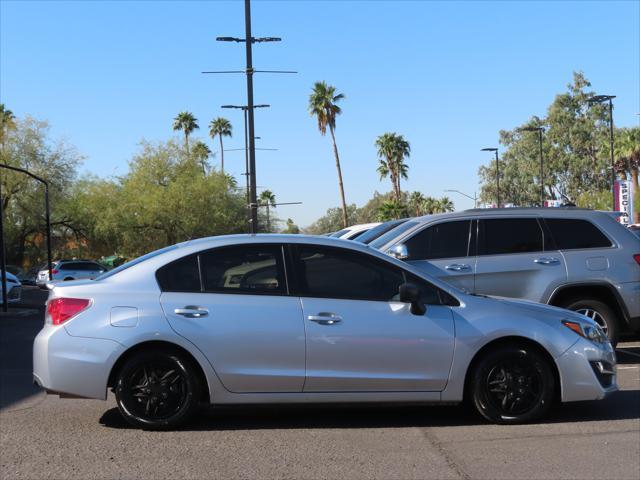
(629, 367)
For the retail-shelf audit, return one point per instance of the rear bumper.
(73, 366)
(581, 371)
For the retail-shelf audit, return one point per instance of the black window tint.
(333, 273)
(180, 275)
(572, 233)
(429, 294)
(510, 235)
(392, 234)
(247, 269)
(443, 240)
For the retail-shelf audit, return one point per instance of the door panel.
(256, 343)
(376, 346)
(459, 272)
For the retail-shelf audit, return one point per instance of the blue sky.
(446, 75)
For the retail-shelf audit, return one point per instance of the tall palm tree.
(268, 199)
(222, 128)
(186, 122)
(416, 201)
(201, 153)
(392, 150)
(445, 205)
(7, 122)
(323, 104)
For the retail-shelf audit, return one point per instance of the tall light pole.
(249, 165)
(540, 131)
(497, 171)
(603, 99)
(474, 198)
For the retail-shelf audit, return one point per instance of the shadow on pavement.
(627, 355)
(620, 406)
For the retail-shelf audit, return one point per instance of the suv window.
(253, 269)
(510, 235)
(443, 240)
(573, 233)
(334, 273)
(180, 275)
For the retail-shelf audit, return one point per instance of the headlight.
(591, 332)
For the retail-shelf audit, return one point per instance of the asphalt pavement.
(46, 437)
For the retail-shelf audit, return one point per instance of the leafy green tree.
(220, 127)
(291, 227)
(332, 220)
(392, 151)
(369, 211)
(323, 104)
(267, 199)
(392, 210)
(415, 204)
(187, 123)
(201, 153)
(7, 123)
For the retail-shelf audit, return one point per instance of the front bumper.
(75, 366)
(587, 371)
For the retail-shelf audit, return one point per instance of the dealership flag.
(623, 195)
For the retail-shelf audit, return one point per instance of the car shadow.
(620, 406)
(628, 355)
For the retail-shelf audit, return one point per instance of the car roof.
(546, 211)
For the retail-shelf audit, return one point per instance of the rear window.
(570, 234)
(135, 261)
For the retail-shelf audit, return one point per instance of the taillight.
(54, 271)
(62, 309)
(636, 257)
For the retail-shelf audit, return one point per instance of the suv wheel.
(157, 390)
(512, 384)
(599, 312)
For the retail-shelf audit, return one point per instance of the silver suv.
(574, 258)
(70, 270)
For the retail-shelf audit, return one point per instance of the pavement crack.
(448, 456)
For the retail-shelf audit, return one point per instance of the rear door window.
(443, 240)
(570, 234)
(499, 236)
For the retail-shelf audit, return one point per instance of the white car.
(71, 270)
(354, 231)
(14, 289)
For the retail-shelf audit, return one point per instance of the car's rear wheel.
(512, 384)
(599, 312)
(157, 390)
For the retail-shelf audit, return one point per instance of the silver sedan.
(296, 319)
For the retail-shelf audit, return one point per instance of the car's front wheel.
(512, 384)
(157, 390)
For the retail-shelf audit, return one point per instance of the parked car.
(574, 258)
(256, 319)
(376, 232)
(14, 289)
(71, 270)
(354, 231)
(30, 276)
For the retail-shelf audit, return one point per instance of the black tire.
(157, 390)
(512, 384)
(604, 315)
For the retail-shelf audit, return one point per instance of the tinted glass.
(339, 233)
(180, 276)
(252, 269)
(136, 261)
(378, 231)
(430, 294)
(571, 233)
(392, 234)
(510, 235)
(444, 240)
(333, 273)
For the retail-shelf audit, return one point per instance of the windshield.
(135, 261)
(393, 233)
(370, 235)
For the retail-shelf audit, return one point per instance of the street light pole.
(495, 150)
(474, 198)
(602, 99)
(253, 201)
(3, 260)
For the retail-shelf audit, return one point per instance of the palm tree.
(201, 153)
(323, 104)
(7, 122)
(445, 205)
(430, 206)
(186, 122)
(416, 201)
(222, 128)
(392, 150)
(267, 199)
(391, 210)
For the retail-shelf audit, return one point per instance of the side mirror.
(410, 293)
(399, 251)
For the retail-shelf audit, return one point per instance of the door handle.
(547, 261)
(191, 311)
(458, 267)
(325, 318)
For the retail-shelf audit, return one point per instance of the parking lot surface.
(45, 437)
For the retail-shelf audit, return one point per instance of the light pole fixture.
(474, 198)
(540, 131)
(495, 150)
(602, 99)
